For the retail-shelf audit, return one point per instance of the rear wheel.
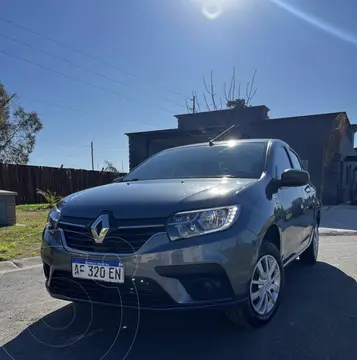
(309, 256)
(265, 290)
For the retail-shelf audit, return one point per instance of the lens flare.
(317, 22)
(213, 9)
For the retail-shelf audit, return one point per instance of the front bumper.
(203, 272)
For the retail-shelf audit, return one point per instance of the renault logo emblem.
(100, 228)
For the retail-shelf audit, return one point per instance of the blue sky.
(305, 53)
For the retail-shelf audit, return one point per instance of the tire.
(309, 256)
(247, 314)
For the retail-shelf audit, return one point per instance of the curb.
(336, 232)
(21, 264)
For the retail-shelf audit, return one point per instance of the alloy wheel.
(265, 285)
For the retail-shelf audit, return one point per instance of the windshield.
(243, 160)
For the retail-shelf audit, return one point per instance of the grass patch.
(24, 239)
(33, 207)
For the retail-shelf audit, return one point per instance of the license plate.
(103, 270)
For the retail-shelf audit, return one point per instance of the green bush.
(50, 197)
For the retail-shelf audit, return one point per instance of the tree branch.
(207, 106)
(249, 90)
(234, 83)
(212, 92)
(225, 92)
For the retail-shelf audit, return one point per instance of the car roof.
(229, 142)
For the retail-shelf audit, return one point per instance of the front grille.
(146, 292)
(117, 241)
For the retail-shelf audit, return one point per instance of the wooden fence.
(25, 179)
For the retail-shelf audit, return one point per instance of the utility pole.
(192, 109)
(122, 166)
(92, 154)
(193, 103)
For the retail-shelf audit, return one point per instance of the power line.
(7, 101)
(86, 147)
(81, 81)
(62, 59)
(88, 55)
(74, 64)
(79, 111)
(100, 148)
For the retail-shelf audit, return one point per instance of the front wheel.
(265, 290)
(309, 256)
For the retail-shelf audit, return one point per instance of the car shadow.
(316, 320)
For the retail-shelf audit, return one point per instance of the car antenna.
(210, 143)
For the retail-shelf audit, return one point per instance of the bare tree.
(331, 144)
(206, 102)
(109, 167)
(210, 91)
(214, 102)
(232, 95)
(250, 90)
(232, 101)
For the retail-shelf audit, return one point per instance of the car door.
(308, 202)
(290, 202)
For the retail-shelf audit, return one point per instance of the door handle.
(307, 189)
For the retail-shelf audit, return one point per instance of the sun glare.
(317, 22)
(232, 142)
(213, 9)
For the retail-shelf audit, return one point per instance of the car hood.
(152, 198)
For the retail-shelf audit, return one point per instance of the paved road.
(317, 320)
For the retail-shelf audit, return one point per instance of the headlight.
(200, 222)
(53, 218)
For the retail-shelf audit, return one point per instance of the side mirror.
(294, 178)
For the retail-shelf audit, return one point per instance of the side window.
(282, 161)
(295, 160)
